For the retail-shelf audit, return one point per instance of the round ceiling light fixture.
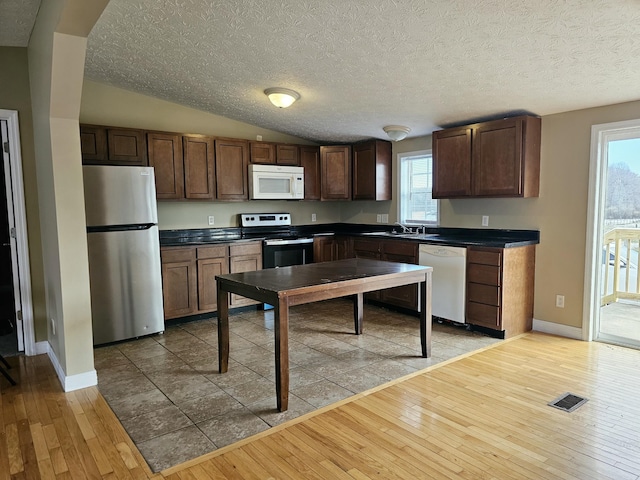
(282, 97)
(396, 132)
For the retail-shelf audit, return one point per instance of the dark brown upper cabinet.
(310, 161)
(287, 154)
(372, 170)
(232, 161)
(183, 164)
(112, 146)
(199, 167)
(500, 158)
(452, 163)
(262, 152)
(165, 156)
(335, 166)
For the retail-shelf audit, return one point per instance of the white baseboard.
(41, 348)
(557, 329)
(72, 382)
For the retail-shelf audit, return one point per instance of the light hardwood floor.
(484, 416)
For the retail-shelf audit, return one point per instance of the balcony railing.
(620, 265)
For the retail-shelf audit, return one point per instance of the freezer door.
(119, 195)
(126, 284)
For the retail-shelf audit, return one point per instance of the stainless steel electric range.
(281, 246)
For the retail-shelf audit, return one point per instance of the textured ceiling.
(362, 64)
(16, 21)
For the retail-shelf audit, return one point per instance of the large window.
(416, 183)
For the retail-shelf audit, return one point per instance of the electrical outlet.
(259, 138)
(313, 217)
(212, 220)
(53, 326)
(560, 301)
(379, 218)
(385, 218)
(485, 220)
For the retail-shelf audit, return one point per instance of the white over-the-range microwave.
(276, 182)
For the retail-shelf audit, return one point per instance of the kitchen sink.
(403, 234)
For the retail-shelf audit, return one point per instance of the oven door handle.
(288, 242)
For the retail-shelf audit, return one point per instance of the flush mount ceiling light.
(396, 132)
(282, 97)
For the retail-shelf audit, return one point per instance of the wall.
(56, 68)
(14, 95)
(106, 105)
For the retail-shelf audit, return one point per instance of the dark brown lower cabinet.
(212, 261)
(189, 275)
(244, 257)
(179, 281)
(331, 247)
(391, 251)
(500, 289)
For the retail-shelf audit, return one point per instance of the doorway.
(614, 289)
(18, 327)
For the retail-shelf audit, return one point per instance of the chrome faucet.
(405, 229)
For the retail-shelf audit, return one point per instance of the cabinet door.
(126, 146)
(335, 165)
(342, 248)
(322, 249)
(179, 280)
(497, 158)
(262, 152)
(452, 163)
(245, 257)
(93, 144)
(402, 252)
(198, 167)
(372, 170)
(232, 160)
(310, 161)
(287, 154)
(165, 155)
(208, 268)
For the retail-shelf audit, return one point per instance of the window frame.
(400, 181)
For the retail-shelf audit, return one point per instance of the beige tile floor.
(168, 394)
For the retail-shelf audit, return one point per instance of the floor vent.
(568, 402)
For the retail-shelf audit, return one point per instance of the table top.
(283, 279)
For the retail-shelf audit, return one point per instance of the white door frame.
(600, 135)
(20, 223)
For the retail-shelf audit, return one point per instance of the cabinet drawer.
(484, 257)
(217, 251)
(483, 315)
(485, 274)
(408, 249)
(245, 249)
(487, 294)
(179, 254)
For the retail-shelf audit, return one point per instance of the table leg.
(223, 329)
(425, 315)
(281, 328)
(358, 308)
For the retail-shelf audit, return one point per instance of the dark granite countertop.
(460, 237)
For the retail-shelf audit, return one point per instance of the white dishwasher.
(448, 280)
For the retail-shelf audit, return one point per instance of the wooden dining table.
(284, 287)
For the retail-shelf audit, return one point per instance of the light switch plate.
(211, 220)
(485, 220)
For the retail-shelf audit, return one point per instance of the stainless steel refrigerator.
(124, 252)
